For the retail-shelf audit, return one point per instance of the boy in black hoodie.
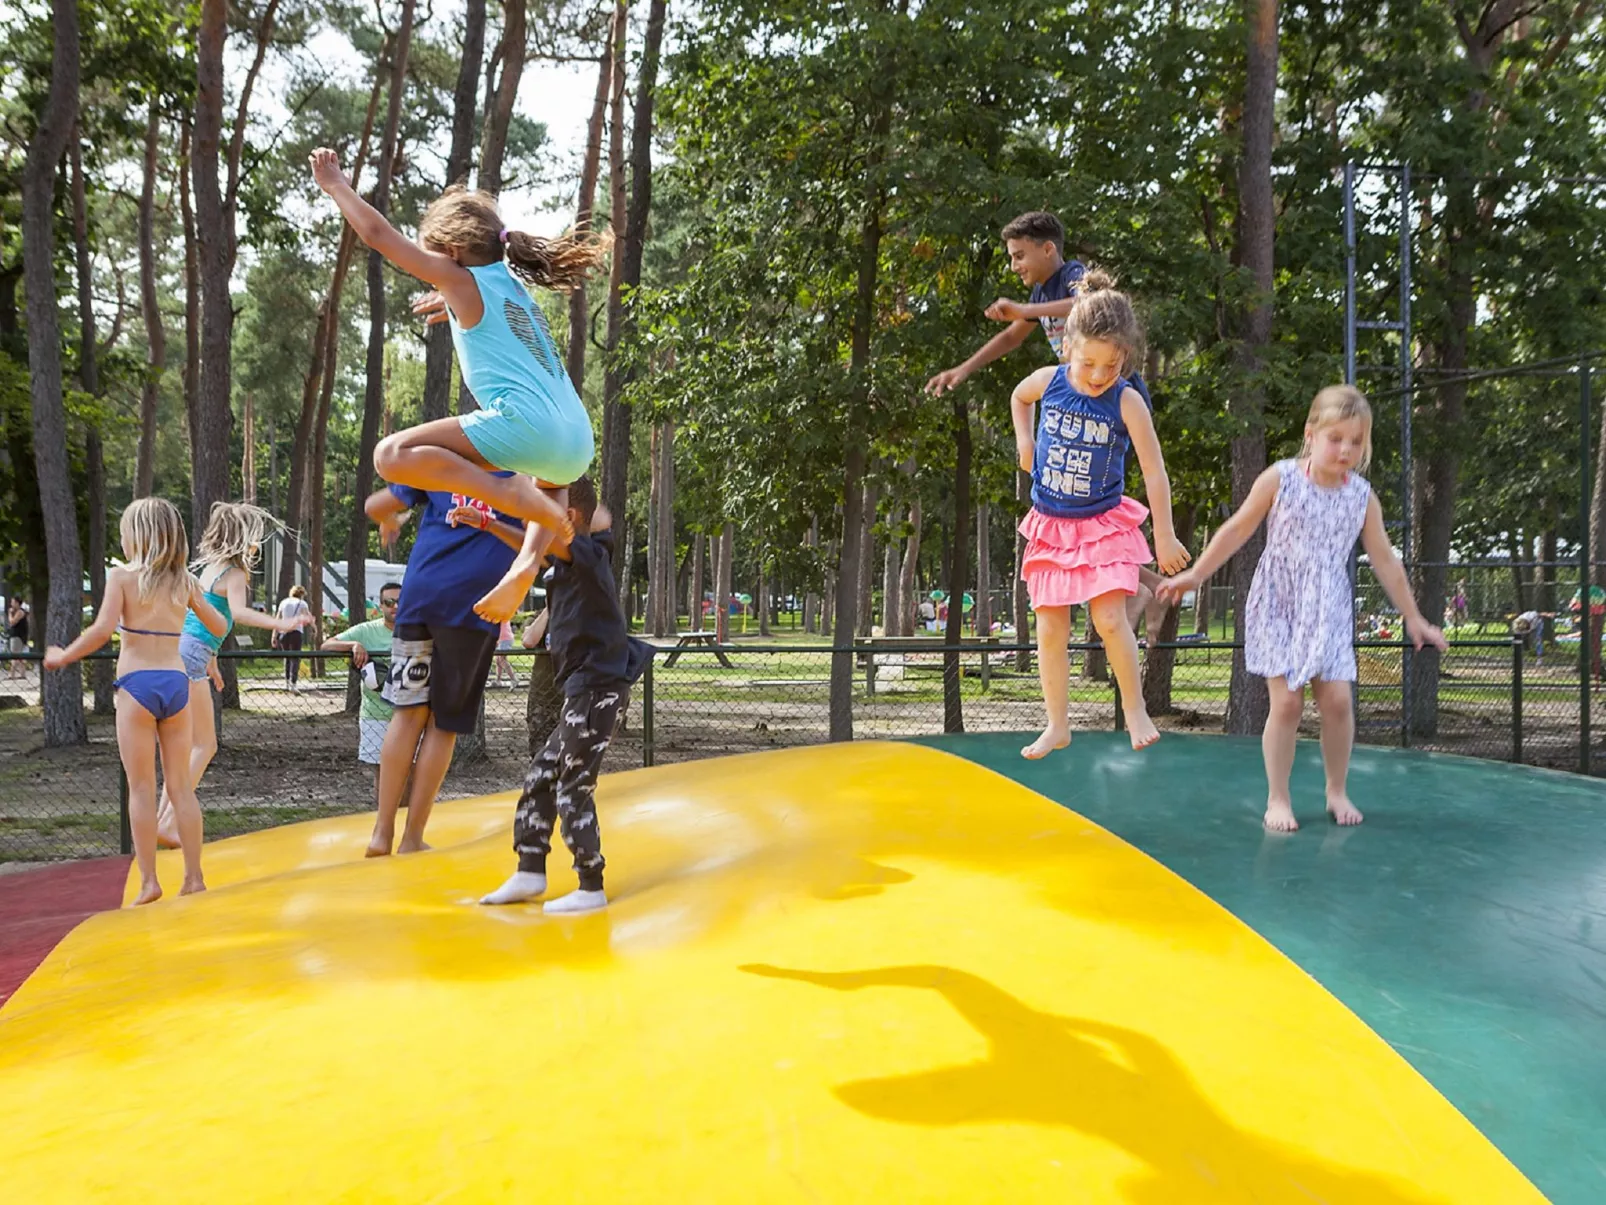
(594, 660)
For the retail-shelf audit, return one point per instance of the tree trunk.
(811, 601)
(507, 90)
(616, 447)
(317, 386)
(953, 717)
(722, 582)
(1160, 663)
(1201, 598)
(664, 537)
(906, 574)
(150, 310)
(61, 694)
(891, 608)
(1546, 575)
(1247, 702)
(867, 560)
(579, 311)
(628, 253)
(437, 400)
(214, 232)
(761, 596)
(1516, 553)
(248, 452)
(192, 308)
(983, 625)
(374, 395)
(101, 673)
(694, 594)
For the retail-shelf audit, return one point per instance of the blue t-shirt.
(591, 648)
(450, 568)
(1057, 288)
(1079, 469)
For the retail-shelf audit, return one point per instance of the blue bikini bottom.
(162, 692)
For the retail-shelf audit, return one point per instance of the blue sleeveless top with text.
(1080, 465)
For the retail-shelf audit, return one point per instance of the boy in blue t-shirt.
(1036, 245)
(440, 649)
(594, 661)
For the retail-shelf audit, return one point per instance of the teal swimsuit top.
(194, 627)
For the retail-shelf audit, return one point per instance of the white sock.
(577, 901)
(524, 885)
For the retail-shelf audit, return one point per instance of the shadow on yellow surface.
(323, 1028)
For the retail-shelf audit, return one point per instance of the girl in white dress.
(1300, 625)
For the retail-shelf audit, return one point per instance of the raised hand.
(326, 171)
(431, 307)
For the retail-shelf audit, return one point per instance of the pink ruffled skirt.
(1069, 561)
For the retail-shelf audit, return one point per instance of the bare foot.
(531, 503)
(1342, 810)
(1052, 739)
(409, 846)
(1142, 730)
(1280, 816)
(378, 847)
(167, 840)
(149, 892)
(502, 603)
(192, 886)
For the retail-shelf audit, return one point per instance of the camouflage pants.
(562, 783)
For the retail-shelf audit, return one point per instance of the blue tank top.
(510, 351)
(1080, 465)
(220, 602)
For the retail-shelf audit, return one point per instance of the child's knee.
(1053, 622)
(1109, 614)
(1287, 704)
(386, 452)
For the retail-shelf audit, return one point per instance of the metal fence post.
(125, 834)
(1516, 700)
(646, 714)
(1585, 553)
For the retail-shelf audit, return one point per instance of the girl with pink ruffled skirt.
(1084, 538)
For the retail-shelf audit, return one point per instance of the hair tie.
(503, 235)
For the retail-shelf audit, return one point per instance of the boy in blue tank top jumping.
(531, 421)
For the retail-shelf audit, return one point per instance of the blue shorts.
(196, 655)
(162, 692)
(531, 436)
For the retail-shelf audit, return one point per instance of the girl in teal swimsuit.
(530, 419)
(228, 552)
(150, 593)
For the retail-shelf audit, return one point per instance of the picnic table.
(698, 640)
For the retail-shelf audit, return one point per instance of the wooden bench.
(708, 640)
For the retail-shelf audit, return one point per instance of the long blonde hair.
(233, 536)
(461, 220)
(157, 548)
(1339, 404)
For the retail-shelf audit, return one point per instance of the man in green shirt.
(363, 641)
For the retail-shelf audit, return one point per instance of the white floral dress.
(1301, 613)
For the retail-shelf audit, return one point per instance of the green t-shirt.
(375, 637)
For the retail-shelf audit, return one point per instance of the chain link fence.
(291, 753)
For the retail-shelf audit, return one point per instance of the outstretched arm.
(1168, 550)
(1391, 576)
(97, 633)
(246, 616)
(1232, 536)
(1001, 344)
(454, 281)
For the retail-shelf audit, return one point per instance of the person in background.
(17, 634)
(368, 644)
(293, 607)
